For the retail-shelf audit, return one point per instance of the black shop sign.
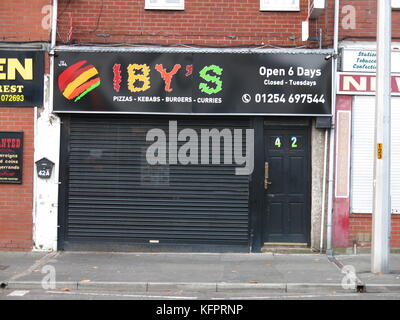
(21, 78)
(193, 83)
(11, 157)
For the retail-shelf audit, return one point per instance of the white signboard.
(365, 61)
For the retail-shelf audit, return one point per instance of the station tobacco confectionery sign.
(355, 60)
(11, 144)
(193, 83)
(21, 78)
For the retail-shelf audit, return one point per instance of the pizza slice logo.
(78, 80)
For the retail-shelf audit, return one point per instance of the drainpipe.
(329, 231)
(321, 244)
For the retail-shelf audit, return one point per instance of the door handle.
(266, 176)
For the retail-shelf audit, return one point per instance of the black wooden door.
(287, 185)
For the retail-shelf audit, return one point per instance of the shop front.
(21, 90)
(355, 146)
(188, 150)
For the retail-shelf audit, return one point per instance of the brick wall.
(20, 21)
(24, 20)
(361, 230)
(365, 22)
(16, 200)
(203, 23)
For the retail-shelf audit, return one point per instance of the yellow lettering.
(3, 76)
(14, 65)
(134, 75)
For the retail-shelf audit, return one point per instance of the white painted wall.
(47, 145)
(317, 168)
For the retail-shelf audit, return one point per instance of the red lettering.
(189, 70)
(117, 77)
(396, 84)
(10, 143)
(167, 76)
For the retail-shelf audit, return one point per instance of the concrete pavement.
(374, 283)
(208, 272)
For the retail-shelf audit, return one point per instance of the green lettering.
(211, 79)
(278, 142)
(294, 142)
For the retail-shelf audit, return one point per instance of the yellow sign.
(21, 78)
(380, 150)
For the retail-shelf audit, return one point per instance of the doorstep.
(287, 248)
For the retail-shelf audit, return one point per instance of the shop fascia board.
(11, 46)
(192, 50)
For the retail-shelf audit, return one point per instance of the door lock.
(266, 176)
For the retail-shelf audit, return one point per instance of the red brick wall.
(365, 30)
(20, 21)
(203, 22)
(361, 230)
(16, 200)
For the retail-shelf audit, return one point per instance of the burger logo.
(78, 80)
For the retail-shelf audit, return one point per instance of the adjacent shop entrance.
(286, 183)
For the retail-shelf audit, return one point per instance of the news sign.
(363, 84)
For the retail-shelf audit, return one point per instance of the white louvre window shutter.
(395, 154)
(279, 5)
(396, 4)
(363, 151)
(165, 4)
(362, 154)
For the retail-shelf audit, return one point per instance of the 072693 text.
(12, 97)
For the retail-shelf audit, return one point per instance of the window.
(279, 5)
(362, 163)
(315, 8)
(165, 4)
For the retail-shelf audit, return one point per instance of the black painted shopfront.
(114, 195)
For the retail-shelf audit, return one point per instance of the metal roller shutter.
(115, 195)
(362, 164)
